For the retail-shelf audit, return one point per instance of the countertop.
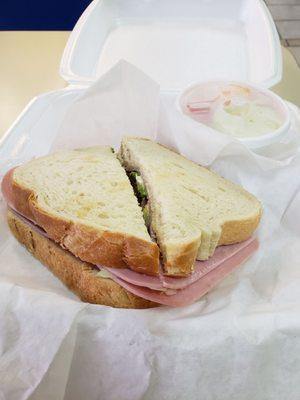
(30, 66)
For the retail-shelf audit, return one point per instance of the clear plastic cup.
(201, 100)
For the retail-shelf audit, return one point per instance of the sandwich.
(137, 229)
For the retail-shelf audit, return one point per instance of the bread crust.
(113, 249)
(181, 256)
(238, 231)
(77, 275)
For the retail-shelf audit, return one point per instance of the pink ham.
(207, 274)
(151, 282)
(162, 282)
(6, 187)
(7, 191)
(10, 195)
(30, 223)
(190, 294)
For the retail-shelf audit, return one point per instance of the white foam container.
(174, 41)
(33, 132)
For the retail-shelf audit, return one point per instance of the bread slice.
(80, 277)
(192, 209)
(84, 201)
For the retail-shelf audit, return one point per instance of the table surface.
(30, 66)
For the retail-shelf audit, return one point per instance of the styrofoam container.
(176, 42)
(34, 131)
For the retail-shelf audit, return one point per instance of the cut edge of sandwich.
(80, 277)
(87, 242)
(179, 256)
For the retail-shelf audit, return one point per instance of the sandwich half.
(84, 201)
(190, 209)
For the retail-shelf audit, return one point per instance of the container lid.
(176, 42)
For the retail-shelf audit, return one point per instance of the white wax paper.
(239, 342)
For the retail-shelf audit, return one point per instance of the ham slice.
(207, 274)
(11, 196)
(30, 223)
(6, 187)
(193, 292)
(7, 191)
(202, 268)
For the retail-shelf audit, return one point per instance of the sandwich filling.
(172, 291)
(141, 193)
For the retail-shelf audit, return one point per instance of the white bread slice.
(85, 202)
(192, 209)
(80, 277)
